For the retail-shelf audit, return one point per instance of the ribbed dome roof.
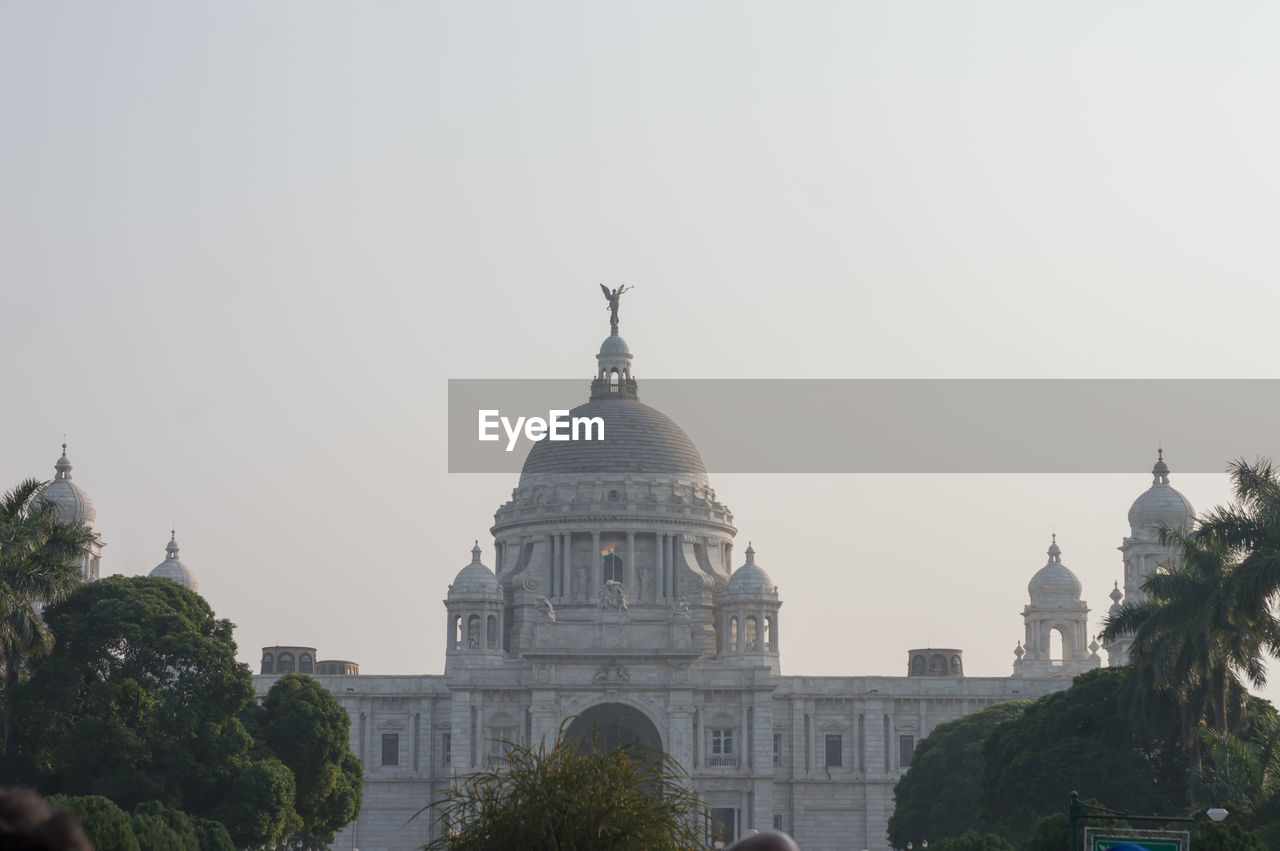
(72, 504)
(1160, 505)
(637, 439)
(475, 580)
(614, 346)
(1055, 579)
(173, 569)
(750, 580)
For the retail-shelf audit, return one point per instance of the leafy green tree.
(1077, 739)
(39, 557)
(176, 820)
(1207, 836)
(1051, 833)
(573, 795)
(258, 809)
(154, 833)
(212, 835)
(971, 840)
(109, 828)
(303, 725)
(140, 700)
(938, 796)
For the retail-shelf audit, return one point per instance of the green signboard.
(1121, 839)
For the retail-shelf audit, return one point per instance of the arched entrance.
(617, 724)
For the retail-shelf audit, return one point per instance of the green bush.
(108, 827)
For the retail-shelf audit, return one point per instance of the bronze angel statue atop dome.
(613, 298)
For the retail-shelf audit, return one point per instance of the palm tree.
(39, 565)
(1250, 530)
(1194, 644)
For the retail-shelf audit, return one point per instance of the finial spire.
(751, 553)
(1160, 472)
(475, 553)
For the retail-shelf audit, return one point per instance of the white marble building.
(664, 640)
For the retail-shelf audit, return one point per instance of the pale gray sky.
(243, 246)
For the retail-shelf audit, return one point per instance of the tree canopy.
(141, 700)
(1078, 739)
(38, 565)
(575, 795)
(305, 727)
(938, 796)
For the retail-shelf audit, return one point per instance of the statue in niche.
(613, 596)
(473, 634)
(545, 607)
(584, 586)
(681, 607)
(646, 581)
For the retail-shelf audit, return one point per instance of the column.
(553, 550)
(659, 567)
(597, 564)
(631, 577)
(566, 549)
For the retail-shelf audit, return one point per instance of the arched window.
(457, 632)
(492, 630)
(1057, 644)
(305, 663)
(733, 633)
(956, 669)
(768, 633)
(938, 665)
(750, 636)
(284, 663)
(268, 661)
(917, 666)
(473, 632)
(613, 379)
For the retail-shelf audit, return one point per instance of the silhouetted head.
(764, 840)
(29, 823)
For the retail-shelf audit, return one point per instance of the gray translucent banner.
(906, 425)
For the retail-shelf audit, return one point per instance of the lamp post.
(1077, 810)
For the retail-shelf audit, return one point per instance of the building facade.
(616, 599)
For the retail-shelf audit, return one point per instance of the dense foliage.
(1078, 739)
(576, 795)
(142, 700)
(107, 826)
(302, 725)
(39, 556)
(938, 797)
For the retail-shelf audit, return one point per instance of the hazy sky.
(243, 247)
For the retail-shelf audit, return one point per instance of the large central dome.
(638, 439)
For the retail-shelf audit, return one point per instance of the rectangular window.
(835, 751)
(777, 822)
(390, 748)
(906, 744)
(446, 748)
(724, 824)
(722, 743)
(777, 749)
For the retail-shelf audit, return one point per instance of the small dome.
(750, 580)
(71, 503)
(614, 346)
(1054, 579)
(1160, 505)
(475, 580)
(173, 569)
